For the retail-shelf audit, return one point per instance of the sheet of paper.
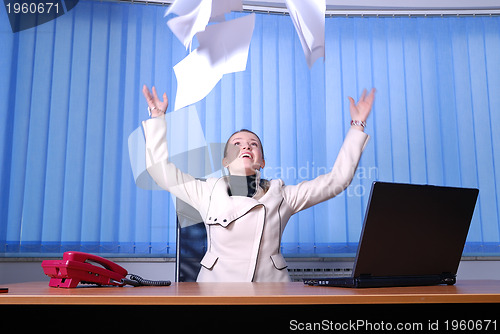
(221, 7)
(195, 79)
(223, 49)
(309, 20)
(193, 18)
(227, 43)
(187, 148)
(137, 154)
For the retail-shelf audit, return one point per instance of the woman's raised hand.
(156, 106)
(361, 110)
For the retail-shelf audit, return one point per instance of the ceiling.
(375, 7)
(391, 4)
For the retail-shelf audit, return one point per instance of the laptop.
(412, 235)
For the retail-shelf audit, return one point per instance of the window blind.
(70, 95)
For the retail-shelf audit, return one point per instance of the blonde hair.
(244, 130)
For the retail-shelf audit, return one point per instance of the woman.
(245, 216)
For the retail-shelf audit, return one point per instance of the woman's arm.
(165, 173)
(324, 187)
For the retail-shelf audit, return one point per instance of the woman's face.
(244, 154)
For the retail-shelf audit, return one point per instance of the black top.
(242, 185)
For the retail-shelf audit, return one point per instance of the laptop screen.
(414, 230)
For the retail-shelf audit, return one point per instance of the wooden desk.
(275, 307)
(39, 293)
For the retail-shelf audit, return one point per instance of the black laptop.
(412, 235)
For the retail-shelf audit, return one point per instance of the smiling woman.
(244, 229)
(243, 153)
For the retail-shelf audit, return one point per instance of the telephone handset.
(79, 267)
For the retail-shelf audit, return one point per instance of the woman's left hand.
(158, 107)
(361, 110)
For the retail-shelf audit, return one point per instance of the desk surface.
(39, 293)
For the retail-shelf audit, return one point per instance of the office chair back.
(191, 242)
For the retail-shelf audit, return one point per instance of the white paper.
(227, 43)
(223, 49)
(195, 79)
(309, 20)
(137, 156)
(193, 18)
(221, 7)
(187, 148)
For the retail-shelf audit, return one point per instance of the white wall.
(29, 271)
(479, 270)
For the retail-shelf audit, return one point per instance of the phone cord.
(136, 280)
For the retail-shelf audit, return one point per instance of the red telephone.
(76, 267)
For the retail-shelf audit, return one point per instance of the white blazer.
(244, 234)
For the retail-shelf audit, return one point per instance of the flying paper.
(309, 20)
(195, 79)
(223, 49)
(188, 153)
(221, 7)
(193, 18)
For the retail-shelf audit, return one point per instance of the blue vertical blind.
(70, 94)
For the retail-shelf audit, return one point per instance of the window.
(70, 95)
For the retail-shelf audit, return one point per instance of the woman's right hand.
(156, 106)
